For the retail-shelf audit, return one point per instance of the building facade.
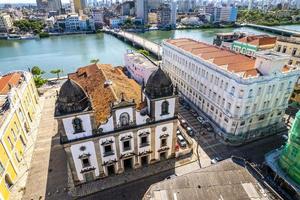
(242, 97)
(109, 124)
(141, 12)
(249, 45)
(291, 46)
(222, 13)
(139, 67)
(19, 107)
(165, 16)
(6, 23)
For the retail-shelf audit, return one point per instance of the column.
(174, 137)
(117, 143)
(152, 135)
(71, 163)
(99, 158)
(136, 157)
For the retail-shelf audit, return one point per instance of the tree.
(144, 52)
(37, 76)
(57, 72)
(94, 61)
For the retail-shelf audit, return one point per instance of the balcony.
(126, 148)
(108, 153)
(144, 144)
(124, 126)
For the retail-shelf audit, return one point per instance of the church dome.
(159, 85)
(71, 99)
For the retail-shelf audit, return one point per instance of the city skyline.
(25, 1)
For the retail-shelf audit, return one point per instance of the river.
(70, 52)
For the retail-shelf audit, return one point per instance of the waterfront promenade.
(136, 40)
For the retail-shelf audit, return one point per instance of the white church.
(108, 123)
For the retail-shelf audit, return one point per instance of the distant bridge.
(136, 40)
(279, 31)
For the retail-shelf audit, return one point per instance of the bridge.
(279, 31)
(137, 41)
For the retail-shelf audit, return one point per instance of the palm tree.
(95, 61)
(57, 72)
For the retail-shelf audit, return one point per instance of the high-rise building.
(6, 23)
(42, 5)
(79, 5)
(54, 5)
(250, 5)
(142, 10)
(165, 17)
(242, 97)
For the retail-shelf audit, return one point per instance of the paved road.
(132, 191)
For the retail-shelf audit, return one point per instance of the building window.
(108, 150)
(126, 145)
(290, 62)
(124, 119)
(163, 142)
(284, 49)
(165, 108)
(8, 181)
(242, 123)
(232, 90)
(14, 134)
(85, 162)
(144, 141)
(1, 168)
(250, 93)
(278, 48)
(261, 117)
(10, 142)
(77, 125)
(294, 51)
(259, 91)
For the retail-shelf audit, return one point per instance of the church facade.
(109, 124)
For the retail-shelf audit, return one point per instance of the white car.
(181, 141)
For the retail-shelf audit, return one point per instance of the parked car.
(178, 132)
(215, 160)
(194, 113)
(190, 131)
(200, 119)
(208, 126)
(181, 141)
(187, 107)
(183, 123)
(171, 177)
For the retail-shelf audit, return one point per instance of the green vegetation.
(144, 52)
(57, 72)
(37, 76)
(94, 61)
(43, 34)
(269, 18)
(29, 25)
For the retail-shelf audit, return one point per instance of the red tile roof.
(8, 80)
(235, 62)
(259, 40)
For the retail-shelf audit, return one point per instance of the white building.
(243, 98)
(98, 17)
(74, 22)
(139, 66)
(108, 123)
(6, 22)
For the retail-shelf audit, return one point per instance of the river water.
(70, 52)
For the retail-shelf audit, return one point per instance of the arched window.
(77, 125)
(8, 181)
(124, 119)
(165, 108)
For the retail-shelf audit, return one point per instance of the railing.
(144, 144)
(108, 153)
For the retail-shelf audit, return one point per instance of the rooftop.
(224, 180)
(141, 60)
(223, 58)
(9, 80)
(258, 40)
(104, 85)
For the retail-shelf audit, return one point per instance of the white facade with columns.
(239, 107)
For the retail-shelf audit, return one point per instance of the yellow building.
(291, 46)
(79, 5)
(18, 108)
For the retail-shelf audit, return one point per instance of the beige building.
(291, 46)
(6, 22)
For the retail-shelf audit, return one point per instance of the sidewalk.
(38, 178)
(181, 166)
(19, 186)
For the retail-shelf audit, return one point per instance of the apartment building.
(244, 98)
(19, 107)
(291, 46)
(6, 23)
(109, 124)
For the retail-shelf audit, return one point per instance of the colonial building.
(139, 66)
(249, 45)
(108, 123)
(244, 98)
(18, 111)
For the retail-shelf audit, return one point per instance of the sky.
(26, 1)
